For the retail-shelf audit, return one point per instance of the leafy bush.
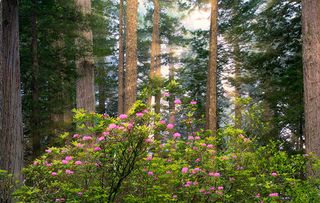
(118, 159)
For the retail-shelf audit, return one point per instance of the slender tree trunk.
(172, 96)
(311, 64)
(85, 64)
(121, 63)
(237, 109)
(11, 134)
(131, 54)
(211, 108)
(156, 30)
(35, 119)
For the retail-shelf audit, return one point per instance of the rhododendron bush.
(119, 159)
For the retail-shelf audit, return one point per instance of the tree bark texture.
(121, 63)
(211, 105)
(131, 54)
(311, 63)
(85, 63)
(11, 135)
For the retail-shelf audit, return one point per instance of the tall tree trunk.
(211, 108)
(11, 134)
(157, 51)
(121, 63)
(35, 119)
(311, 64)
(237, 109)
(85, 64)
(172, 96)
(131, 54)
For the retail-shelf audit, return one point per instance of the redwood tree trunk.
(131, 54)
(311, 64)
(211, 108)
(11, 134)
(157, 44)
(85, 64)
(121, 63)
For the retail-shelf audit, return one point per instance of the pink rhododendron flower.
(184, 170)
(35, 163)
(139, 114)
(216, 175)
(188, 183)
(48, 151)
(145, 111)
(193, 102)
(210, 146)
(68, 158)
(148, 140)
(101, 138)
(170, 126)
(197, 160)
(166, 94)
(47, 164)
(190, 137)
(85, 138)
(64, 162)
(130, 125)
(202, 190)
(211, 188)
(123, 116)
(195, 170)
(150, 173)
(78, 162)
(80, 193)
(79, 145)
(274, 194)
(174, 196)
(60, 200)
(105, 133)
(258, 195)
(274, 174)
(168, 172)
(177, 101)
(197, 138)
(69, 172)
(195, 183)
(203, 144)
(149, 158)
(220, 188)
(113, 126)
(195, 148)
(54, 174)
(176, 135)
(162, 122)
(97, 149)
(76, 136)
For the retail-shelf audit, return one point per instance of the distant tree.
(155, 58)
(211, 101)
(11, 132)
(311, 64)
(85, 63)
(121, 62)
(131, 54)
